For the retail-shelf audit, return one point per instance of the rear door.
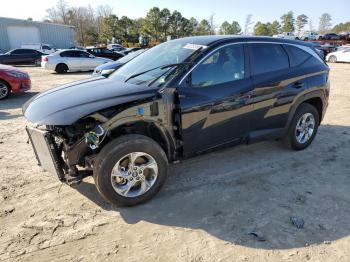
(215, 100)
(71, 58)
(275, 86)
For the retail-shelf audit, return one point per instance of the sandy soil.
(206, 211)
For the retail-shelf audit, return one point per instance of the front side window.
(224, 65)
(268, 58)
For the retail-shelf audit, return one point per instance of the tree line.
(101, 25)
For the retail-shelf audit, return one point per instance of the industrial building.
(16, 32)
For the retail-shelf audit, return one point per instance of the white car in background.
(72, 60)
(309, 36)
(339, 56)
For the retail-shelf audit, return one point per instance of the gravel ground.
(231, 205)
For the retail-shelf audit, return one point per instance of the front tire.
(303, 128)
(130, 170)
(5, 90)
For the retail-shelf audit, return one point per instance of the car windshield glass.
(130, 56)
(172, 52)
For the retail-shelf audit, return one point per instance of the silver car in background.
(72, 60)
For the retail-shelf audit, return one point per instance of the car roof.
(217, 39)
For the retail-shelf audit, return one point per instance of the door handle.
(298, 85)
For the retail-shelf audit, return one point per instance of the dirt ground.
(231, 205)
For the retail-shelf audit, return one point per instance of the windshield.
(172, 52)
(130, 56)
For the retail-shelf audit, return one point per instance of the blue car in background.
(108, 68)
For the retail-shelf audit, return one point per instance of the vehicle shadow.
(247, 195)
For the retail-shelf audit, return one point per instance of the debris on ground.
(297, 221)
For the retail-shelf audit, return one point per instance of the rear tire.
(61, 68)
(332, 59)
(5, 90)
(295, 138)
(114, 170)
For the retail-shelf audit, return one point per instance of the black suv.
(174, 101)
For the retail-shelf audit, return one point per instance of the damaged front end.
(69, 150)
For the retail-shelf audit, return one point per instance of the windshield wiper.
(158, 67)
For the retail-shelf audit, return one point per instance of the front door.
(215, 100)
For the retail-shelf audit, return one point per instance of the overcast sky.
(262, 10)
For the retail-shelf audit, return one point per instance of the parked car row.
(14, 80)
(108, 68)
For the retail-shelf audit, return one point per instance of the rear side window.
(297, 55)
(268, 58)
(68, 54)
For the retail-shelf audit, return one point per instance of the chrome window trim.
(304, 48)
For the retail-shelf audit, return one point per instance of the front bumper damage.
(49, 156)
(46, 151)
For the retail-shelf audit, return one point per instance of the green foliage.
(101, 25)
(287, 21)
(203, 28)
(274, 28)
(342, 27)
(301, 22)
(261, 29)
(230, 29)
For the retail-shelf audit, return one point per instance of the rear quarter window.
(268, 58)
(297, 55)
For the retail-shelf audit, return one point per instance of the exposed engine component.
(92, 138)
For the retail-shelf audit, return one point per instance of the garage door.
(19, 35)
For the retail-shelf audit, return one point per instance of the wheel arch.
(150, 129)
(61, 63)
(315, 98)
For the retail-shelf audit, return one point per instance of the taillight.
(44, 59)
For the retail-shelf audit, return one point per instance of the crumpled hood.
(66, 104)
